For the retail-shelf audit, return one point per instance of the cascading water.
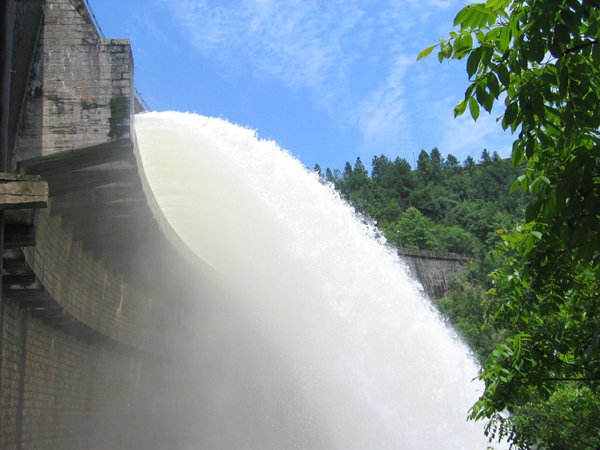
(324, 340)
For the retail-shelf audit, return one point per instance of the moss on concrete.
(119, 108)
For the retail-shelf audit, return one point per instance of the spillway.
(319, 338)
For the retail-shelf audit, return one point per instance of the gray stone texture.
(434, 270)
(81, 88)
(59, 390)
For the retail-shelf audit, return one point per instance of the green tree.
(414, 230)
(464, 307)
(380, 165)
(451, 161)
(486, 159)
(329, 175)
(469, 163)
(359, 167)
(568, 419)
(542, 58)
(347, 170)
(455, 239)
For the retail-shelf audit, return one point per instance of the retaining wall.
(434, 270)
(60, 390)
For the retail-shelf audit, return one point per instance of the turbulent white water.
(332, 344)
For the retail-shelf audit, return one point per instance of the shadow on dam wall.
(96, 304)
(102, 313)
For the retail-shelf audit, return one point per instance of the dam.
(105, 308)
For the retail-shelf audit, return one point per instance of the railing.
(441, 255)
(138, 94)
(94, 20)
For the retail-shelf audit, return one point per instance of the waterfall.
(323, 339)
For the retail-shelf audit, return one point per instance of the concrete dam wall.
(434, 270)
(89, 321)
(96, 301)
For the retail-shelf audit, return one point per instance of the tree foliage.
(440, 206)
(540, 60)
(568, 419)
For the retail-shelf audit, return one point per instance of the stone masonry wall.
(435, 273)
(95, 296)
(25, 34)
(60, 393)
(81, 89)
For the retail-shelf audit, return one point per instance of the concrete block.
(22, 192)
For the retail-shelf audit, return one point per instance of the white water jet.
(361, 359)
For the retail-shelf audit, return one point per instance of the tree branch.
(579, 47)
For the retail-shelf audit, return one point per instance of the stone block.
(22, 192)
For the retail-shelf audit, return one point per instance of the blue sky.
(328, 80)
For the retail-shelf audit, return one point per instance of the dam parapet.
(434, 270)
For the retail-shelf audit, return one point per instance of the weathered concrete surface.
(92, 315)
(80, 91)
(434, 270)
(25, 38)
(22, 192)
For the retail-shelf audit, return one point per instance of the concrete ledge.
(435, 255)
(22, 192)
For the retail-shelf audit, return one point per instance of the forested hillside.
(442, 205)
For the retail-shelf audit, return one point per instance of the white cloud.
(383, 116)
(356, 59)
(294, 42)
(463, 136)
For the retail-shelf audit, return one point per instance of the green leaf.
(482, 16)
(460, 108)
(538, 105)
(503, 74)
(461, 16)
(441, 56)
(504, 42)
(514, 186)
(510, 115)
(536, 185)
(458, 45)
(474, 108)
(533, 210)
(468, 17)
(497, 4)
(522, 179)
(493, 85)
(446, 49)
(517, 153)
(473, 61)
(425, 53)
(596, 54)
